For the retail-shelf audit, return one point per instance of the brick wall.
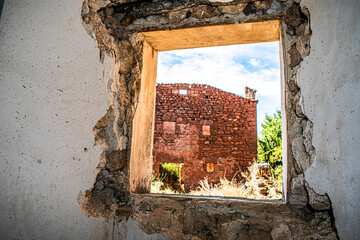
(180, 135)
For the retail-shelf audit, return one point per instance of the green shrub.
(278, 172)
(270, 142)
(169, 173)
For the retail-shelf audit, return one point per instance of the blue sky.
(229, 68)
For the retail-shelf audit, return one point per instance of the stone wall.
(230, 144)
(117, 26)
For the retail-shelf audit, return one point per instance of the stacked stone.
(231, 145)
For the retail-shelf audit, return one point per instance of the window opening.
(169, 127)
(183, 92)
(210, 167)
(169, 178)
(206, 130)
(221, 122)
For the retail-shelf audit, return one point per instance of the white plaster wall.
(52, 92)
(330, 84)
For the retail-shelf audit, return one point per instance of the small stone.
(263, 191)
(126, 57)
(114, 207)
(317, 201)
(293, 17)
(97, 4)
(176, 17)
(263, 5)
(307, 133)
(314, 222)
(297, 185)
(294, 88)
(303, 42)
(249, 9)
(109, 11)
(299, 153)
(94, 6)
(139, 22)
(298, 196)
(299, 201)
(298, 103)
(281, 232)
(119, 16)
(156, 19)
(204, 11)
(233, 9)
(295, 56)
(126, 21)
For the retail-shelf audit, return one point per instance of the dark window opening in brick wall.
(204, 130)
(183, 92)
(169, 127)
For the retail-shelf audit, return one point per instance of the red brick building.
(210, 131)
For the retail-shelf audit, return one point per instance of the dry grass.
(256, 185)
(159, 187)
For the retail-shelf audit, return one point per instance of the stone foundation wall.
(231, 143)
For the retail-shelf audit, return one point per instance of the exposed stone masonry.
(115, 26)
(231, 144)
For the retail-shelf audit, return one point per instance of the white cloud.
(254, 62)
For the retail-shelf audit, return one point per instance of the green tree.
(270, 143)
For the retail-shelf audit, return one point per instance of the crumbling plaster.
(116, 27)
(330, 82)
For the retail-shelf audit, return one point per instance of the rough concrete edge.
(315, 201)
